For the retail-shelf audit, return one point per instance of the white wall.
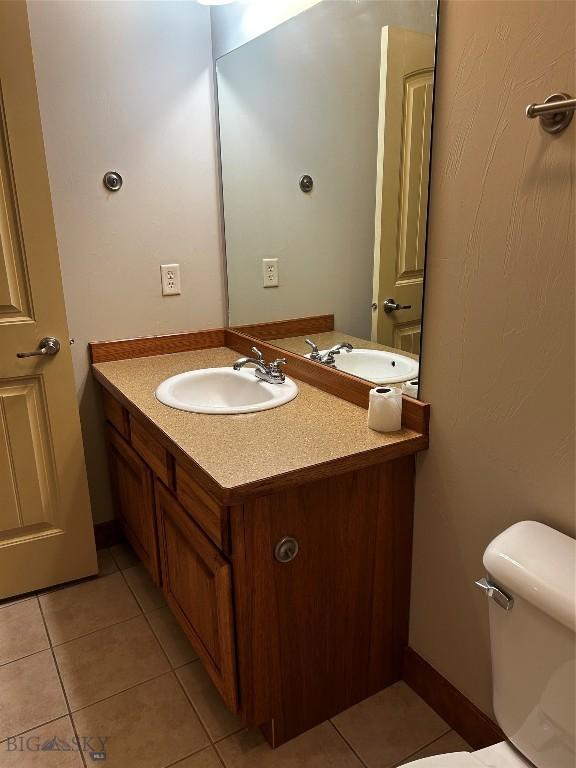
(127, 86)
(303, 98)
(498, 352)
(236, 24)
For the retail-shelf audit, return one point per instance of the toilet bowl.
(532, 582)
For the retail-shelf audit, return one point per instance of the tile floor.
(103, 663)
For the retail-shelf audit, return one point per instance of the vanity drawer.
(133, 489)
(115, 414)
(204, 509)
(154, 454)
(197, 583)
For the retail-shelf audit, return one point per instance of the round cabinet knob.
(286, 549)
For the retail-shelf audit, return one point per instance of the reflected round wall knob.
(286, 549)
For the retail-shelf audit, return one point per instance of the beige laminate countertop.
(240, 450)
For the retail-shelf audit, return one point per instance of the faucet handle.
(275, 369)
(258, 354)
(315, 354)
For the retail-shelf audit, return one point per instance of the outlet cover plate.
(269, 273)
(170, 277)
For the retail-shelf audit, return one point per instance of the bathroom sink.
(223, 390)
(376, 365)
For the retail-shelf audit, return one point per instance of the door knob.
(390, 305)
(46, 346)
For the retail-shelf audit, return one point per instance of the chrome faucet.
(328, 357)
(270, 372)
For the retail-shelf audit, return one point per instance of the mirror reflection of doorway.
(405, 112)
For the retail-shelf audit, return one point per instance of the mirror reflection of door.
(405, 111)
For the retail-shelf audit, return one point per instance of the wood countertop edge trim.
(283, 329)
(151, 346)
(241, 493)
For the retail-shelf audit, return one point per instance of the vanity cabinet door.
(133, 489)
(197, 583)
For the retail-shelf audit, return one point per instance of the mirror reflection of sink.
(224, 391)
(376, 365)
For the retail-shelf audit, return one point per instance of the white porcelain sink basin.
(376, 365)
(223, 390)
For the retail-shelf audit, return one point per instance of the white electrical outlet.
(269, 273)
(170, 275)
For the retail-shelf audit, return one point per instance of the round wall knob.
(112, 181)
(286, 549)
(306, 183)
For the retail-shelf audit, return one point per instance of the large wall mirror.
(325, 126)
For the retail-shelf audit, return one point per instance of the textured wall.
(128, 86)
(498, 360)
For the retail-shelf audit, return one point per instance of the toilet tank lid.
(537, 563)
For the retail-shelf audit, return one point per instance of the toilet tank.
(533, 643)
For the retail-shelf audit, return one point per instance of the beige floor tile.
(171, 637)
(388, 727)
(124, 556)
(207, 758)
(320, 747)
(106, 563)
(75, 611)
(149, 726)
(147, 593)
(30, 694)
(217, 719)
(450, 742)
(44, 747)
(111, 660)
(22, 631)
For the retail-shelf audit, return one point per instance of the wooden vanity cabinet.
(289, 638)
(133, 491)
(197, 583)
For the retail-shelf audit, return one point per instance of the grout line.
(429, 744)
(118, 693)
(95, 631)
(135, 596)
(197, 660)
(190, 699)
(34, 728)
(196, 752)
(194, 709)
(62, 686)
(218, 755)
(137, 560)
(345, 740)
(28, 655)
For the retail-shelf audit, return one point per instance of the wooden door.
(46, 533)
(197, 583)
(133, 489)
(405, 112)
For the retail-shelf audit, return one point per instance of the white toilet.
(532, 580)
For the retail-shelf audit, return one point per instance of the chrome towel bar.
(556, 112)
